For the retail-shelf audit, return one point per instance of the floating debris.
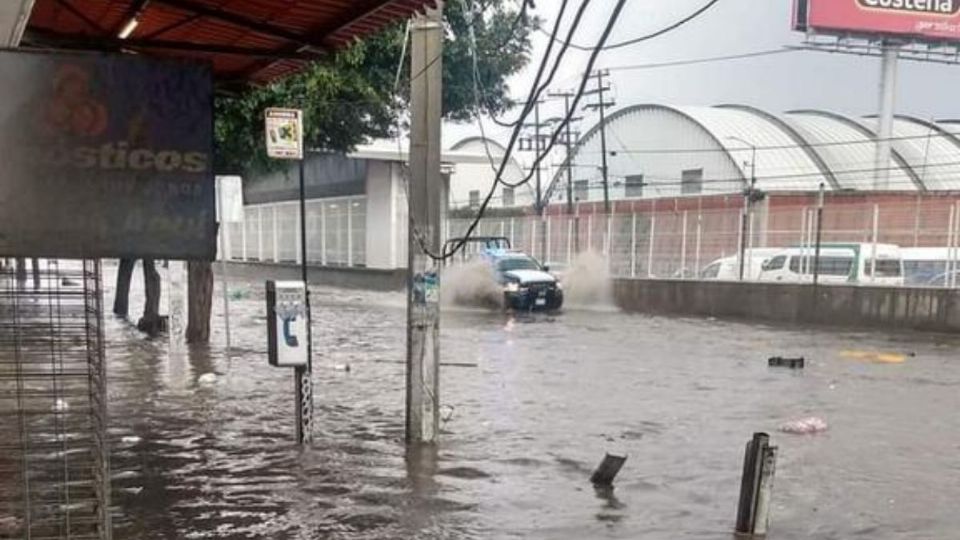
(805, 426)
(876, 357)
(792, 363)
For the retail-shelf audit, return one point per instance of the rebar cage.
(54, 452)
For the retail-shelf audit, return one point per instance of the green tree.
(352, 97)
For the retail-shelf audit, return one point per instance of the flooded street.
(202, 442)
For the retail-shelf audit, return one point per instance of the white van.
(927, 265)
(839, 263)
(728, 268)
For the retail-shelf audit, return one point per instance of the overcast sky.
(841, 83)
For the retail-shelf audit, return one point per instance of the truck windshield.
(517, 263)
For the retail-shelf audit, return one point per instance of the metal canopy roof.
(246, 40)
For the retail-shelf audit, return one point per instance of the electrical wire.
(707, 60)
(648, 37)
(871, 142)
(457, 246)
(507, 152)
(534, 90)
(796, 176)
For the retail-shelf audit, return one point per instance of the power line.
(541, 88)
(707, 60)
(499, 180)
(648, 37)
(772, 147)
(673, 181)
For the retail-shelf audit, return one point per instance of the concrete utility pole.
(601, 105)
(537, 146)
(749, 195)
(568, 142)
(888, 98)
(424, 229)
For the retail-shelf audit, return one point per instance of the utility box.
(287, 323)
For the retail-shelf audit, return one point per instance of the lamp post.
(748, 197)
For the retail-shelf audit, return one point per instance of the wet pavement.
(202, 441)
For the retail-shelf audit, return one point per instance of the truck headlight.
(559, 285)
(512, 286)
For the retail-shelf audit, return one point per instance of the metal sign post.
(284, 138)
(229, 210)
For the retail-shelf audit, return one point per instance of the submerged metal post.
(426, 186)
(761, 519)
(756, 486)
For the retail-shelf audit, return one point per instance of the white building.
(356, 205)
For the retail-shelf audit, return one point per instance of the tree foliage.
(352, 97)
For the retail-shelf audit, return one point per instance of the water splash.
(471, 284)
(587, 282)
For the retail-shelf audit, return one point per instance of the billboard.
(105, 156)
(935, 21)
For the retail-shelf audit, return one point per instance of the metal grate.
(54, 456)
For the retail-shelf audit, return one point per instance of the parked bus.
(838, 263)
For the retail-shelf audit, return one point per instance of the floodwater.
(202, 441)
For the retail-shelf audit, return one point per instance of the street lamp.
(749, 196)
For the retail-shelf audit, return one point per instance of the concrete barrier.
(844, 305)
(330, 276)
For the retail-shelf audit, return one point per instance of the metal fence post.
(956, 247)
(276, 227)
(683, 248)
(697, 262)
(549, 247)
(533, 236)
(752, 218)
(608, 240)
(296, 237)
(243, 236)
(349, 204)
(323, 234)
(633, 245)
(803, 238)
(260, 254)
(953, 230)
(653, 241)
(590, 232)
(876, 233)
(948, 265)
(741, 244)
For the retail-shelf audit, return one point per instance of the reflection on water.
(202, 442)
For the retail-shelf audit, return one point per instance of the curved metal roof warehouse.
(662, 151)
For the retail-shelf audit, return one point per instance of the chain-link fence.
(682, 241)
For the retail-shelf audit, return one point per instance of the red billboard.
(916, 20)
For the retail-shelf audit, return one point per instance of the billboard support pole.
(888, 96)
